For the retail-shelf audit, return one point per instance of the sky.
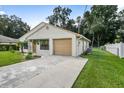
(34, 14)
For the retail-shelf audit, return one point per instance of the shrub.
(3, 47)
(29, 56)
(11, 49)
(7, 47)
(85, 53)
(30, 53)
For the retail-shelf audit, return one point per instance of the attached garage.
(51, 40)
(62, 47)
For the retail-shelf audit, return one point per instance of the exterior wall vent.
(47, 27)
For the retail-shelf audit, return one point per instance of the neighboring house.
(7, 41)
(46, 39)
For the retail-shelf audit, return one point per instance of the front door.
(34, 46)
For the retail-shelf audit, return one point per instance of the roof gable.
(42, 25)
(78, 35)
(34, 30)
(49, 31)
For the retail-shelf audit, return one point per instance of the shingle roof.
(5, 39)
(70, 32)
(44, 24)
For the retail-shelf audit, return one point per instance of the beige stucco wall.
(50, 32)
(50, 51)
(81, 46)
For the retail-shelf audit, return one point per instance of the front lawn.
(7, 58)
(103, 70)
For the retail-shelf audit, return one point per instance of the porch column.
(51, 46)
(29, 45)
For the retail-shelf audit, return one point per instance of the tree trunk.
(98, 41)
(92, 41)
(22, 48)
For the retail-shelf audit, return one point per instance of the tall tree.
(107, 14)
(101, 21)
(78, 21)
(120, 33)
(60, 16)
(71, 25)
(12, 26)
(88, 24)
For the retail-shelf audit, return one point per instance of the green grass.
(103, 70)
(7, 58)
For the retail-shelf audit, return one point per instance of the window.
(44, 44)
(25, 45)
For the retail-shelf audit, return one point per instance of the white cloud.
(2, 13)
(120, 7)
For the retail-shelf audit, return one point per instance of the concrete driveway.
(50, 71)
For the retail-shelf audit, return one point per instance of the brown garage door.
(62, 47)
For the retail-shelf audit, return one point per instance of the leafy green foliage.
(11, 49)
(12, 26)
(29, 56)
(100, 24)
(120, 33)
(3, 48)
(7, 47)
(60, 16)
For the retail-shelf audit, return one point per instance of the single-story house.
(5, 42)
(46, 39)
